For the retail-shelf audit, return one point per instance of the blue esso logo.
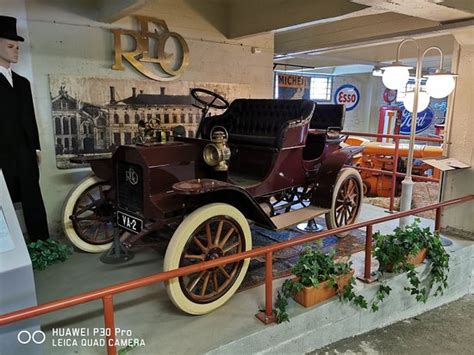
(347, 95)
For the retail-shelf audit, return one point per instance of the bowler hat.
(8, 28)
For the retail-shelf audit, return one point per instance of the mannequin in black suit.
(19, 141)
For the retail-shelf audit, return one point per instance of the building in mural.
(91, 116)
(79, 127)
(85, 128)
(168, 111)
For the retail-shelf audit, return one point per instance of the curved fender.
(327, 175)
(237, 197)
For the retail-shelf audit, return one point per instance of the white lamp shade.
(439, 86)
(423, 101)
(395, 77)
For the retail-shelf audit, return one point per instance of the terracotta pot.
(414, 260)
(309, 296)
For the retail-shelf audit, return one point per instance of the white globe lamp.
(440, 85)
(395, 76)
(423, 101)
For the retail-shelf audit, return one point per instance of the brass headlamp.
(217, 153)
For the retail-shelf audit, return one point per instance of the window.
(117, 139)
(116, 118)
(73, 125)
(66, 125)
(127, 118)
(321, 88)
(58, 125)
(128, 138)
(409, 87)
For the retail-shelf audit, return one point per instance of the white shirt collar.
(7, 73)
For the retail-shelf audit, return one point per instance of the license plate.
(128, 222)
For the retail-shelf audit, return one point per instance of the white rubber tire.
(177, 244)
(341, 177)
(68, 208)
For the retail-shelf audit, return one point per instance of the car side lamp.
(217, 153)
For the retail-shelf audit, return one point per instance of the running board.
(292, 218)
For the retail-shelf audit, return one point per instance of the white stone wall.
(357, 120)
(62, 38)
(460, 132)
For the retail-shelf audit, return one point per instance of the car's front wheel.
(208, 233)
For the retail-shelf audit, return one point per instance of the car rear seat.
(260, 122)
(328, 116)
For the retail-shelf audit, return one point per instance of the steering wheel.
(208, 99)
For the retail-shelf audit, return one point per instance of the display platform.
(148, 314)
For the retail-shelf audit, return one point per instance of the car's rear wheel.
(208, 233)
(346, 200)
(88, 215)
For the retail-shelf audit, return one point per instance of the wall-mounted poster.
(347, 95)
(293, 86)
(91, 116)
(423, 121)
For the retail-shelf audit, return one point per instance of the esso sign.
(423, 122)
(347, 95)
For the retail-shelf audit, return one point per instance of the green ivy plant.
(47, 252)
(312, 268)
(396, 249)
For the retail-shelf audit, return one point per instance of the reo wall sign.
(150, 41)
(347, 95)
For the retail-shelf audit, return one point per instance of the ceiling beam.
(433, 10)
(347, 31)
(111, 11)
(250, 17)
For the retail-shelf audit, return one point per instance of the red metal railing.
(396, 139)
(106, 293)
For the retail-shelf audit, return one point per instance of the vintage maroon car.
(256, 162)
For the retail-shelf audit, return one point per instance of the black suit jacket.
(17, 104)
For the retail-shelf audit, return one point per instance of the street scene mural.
(92, 116)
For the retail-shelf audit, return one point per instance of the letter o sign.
(347, 95)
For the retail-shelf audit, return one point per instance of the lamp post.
(439, 85)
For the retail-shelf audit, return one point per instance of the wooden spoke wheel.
(88, 216)
(209, 233)
(346, 200)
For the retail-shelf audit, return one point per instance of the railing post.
(109, 324)
(267, 317)
(394, 174)
(438, 220)
(368, 256)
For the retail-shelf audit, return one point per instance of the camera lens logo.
(25, 337)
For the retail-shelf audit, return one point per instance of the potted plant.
(402, 251)
(317, 277)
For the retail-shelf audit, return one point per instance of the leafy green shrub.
(47, 252)
(312, 268)
(395, 250)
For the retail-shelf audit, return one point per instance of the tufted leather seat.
(260, 121)
(328, 115)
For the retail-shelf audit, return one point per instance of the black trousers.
(22, 178)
